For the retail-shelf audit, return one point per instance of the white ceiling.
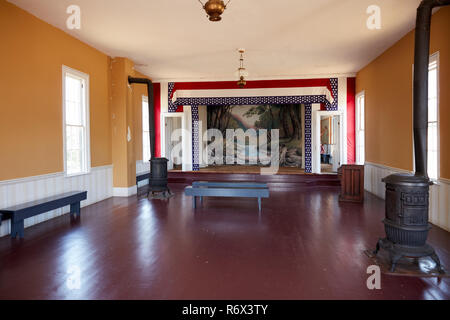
(173, 39)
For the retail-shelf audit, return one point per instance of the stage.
(286, 176)
(254, 169)
(249, 169)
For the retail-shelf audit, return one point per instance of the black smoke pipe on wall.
(151, 116)
(420, 101)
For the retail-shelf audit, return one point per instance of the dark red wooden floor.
(304, 245)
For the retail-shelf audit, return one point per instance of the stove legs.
(435, 258)
(377, 248)
(159, 194)
(397, 252)
(394, 259)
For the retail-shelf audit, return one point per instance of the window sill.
(76, 174)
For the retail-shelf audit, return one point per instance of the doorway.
(172, 138)
(328, 140)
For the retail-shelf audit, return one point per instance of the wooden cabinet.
(352, 183)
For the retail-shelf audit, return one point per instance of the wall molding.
(48, 176)
(125, 192)
(382, 166)
(257, 78)
(108, 166)
(32, 178)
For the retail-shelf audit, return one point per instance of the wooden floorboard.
(303, 245)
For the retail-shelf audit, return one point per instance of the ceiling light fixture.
(214, 8)
(241, 71)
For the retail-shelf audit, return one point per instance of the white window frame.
(435, 57)
(85, 78)
(358, 126)
(145, 99)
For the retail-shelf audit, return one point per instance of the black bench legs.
(17, 225)
(17, 228)
(194, 202)
(75, 209)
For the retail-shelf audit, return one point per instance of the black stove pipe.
(151, 116)
(420, 101)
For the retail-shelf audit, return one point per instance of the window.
(146, 154)
(433, 117)
(76, 121)
(360, 127)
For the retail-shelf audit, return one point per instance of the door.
(336, 154)
(327, 141)
(172, 138)
(169, 146)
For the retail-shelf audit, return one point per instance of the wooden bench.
(19, 213)
(227, 189)
(142, 177)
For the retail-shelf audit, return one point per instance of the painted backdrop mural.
(286, 118)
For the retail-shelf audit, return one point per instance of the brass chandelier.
(214, 9)
(241, 71)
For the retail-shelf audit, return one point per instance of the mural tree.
(219, 117)
(266, 118)
(294, 115)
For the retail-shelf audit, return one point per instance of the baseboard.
(125, 192)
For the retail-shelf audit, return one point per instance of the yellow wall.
(387, 82)
(122, 111)
(126, 112)
(31, 57)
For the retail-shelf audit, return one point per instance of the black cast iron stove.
(157, 188)
(407, 195)
(406, 222)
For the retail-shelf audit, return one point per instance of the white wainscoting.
(142, 167)
(98, 183)
(373, 173)
(440, 204)
(439, 213)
